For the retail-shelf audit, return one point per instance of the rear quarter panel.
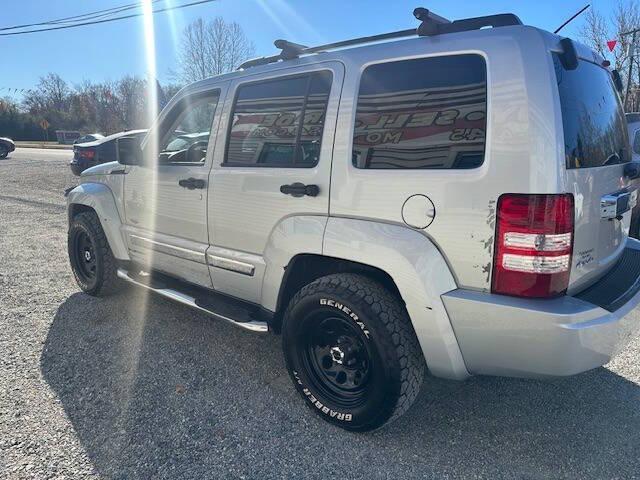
(521, 148)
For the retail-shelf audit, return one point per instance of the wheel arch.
(99, 198)
(421, 274)
(304, 268)
(77, 208)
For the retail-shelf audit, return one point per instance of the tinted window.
(186, 139)
(595, 130)
(107, 151)
(423, 113)
(279, 122)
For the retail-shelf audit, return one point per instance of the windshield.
(595, 130)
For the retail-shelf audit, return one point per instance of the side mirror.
(197, 151)
(129, 151)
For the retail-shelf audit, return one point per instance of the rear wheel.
(92, 262)
(351, 351)
(4, 151)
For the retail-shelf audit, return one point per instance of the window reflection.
(423, 113)
(267, 128)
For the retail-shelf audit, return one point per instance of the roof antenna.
(572, 18)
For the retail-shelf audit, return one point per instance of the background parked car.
(103, 150)
(633, 127)
(90, 137)
(6, 146)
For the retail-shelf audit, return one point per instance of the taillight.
(533, 246)
(88, 153)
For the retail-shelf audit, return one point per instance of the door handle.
(192, 183)
(300, 190)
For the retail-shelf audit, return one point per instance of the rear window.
(426, 113)
(595, 130)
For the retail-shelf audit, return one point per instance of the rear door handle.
(300, 190)
(192, 183)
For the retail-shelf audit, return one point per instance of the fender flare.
(100, 198)
(293, 236)
(421, 275)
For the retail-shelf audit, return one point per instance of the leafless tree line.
(600, 27)
(207, 49)
(105, 107)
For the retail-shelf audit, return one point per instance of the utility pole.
(632, 52)
(632, 48)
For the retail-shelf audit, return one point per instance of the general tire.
(86, 235)
(4, 151)
(366, 330)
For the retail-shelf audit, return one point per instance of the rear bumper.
(500, 335)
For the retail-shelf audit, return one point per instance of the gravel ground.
(138, 387)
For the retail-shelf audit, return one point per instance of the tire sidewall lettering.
(342, 416)
(329, 302)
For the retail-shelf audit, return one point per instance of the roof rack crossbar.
(290, 50)
(431, 24)
(254, 62)
(429, 28)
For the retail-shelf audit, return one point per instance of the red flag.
(612, 44)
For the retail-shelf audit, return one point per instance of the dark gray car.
(103, 150)
(6, 147)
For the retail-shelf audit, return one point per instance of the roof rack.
(430, 25)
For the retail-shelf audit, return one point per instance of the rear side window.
(107, 151)
(427, 113)
(279, 123)
(595, 130)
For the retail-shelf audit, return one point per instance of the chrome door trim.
(231, 265)
(160, 247)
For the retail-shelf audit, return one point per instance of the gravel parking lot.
(137, 387)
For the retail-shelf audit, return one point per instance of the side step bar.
(171, 292)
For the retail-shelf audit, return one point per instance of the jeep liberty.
(454, 198)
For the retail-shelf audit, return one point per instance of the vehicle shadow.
(154, 389)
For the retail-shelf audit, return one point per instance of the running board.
(213, 304)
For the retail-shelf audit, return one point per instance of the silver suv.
(457, 200)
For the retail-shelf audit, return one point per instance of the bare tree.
(212, 48)
(598, 29)
(51, 93)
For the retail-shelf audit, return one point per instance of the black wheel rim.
(337, 356)
(85, 257)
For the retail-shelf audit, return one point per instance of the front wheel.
(351, 351)
(4, 151)
(92, 262)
